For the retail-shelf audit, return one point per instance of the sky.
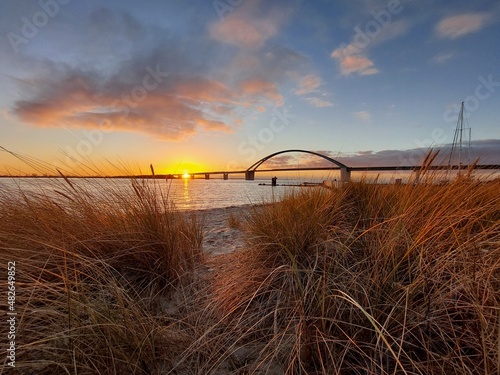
(105, 86)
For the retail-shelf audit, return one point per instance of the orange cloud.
(214, 125)
(170, 116)
(457, 26)
(172, 112)
(204, 90)
(353, 58)
(240, 31)
(165, 87)
(245, 62)
(308, 84)
(266, 89)
(350, 62)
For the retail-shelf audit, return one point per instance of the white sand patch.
(223, 232)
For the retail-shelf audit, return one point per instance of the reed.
(93, 263)
(371, 279)
(363, 279)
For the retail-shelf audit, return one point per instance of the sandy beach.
(222, 229)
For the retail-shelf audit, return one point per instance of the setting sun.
(186, 174)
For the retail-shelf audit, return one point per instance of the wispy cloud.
(353, 57)
(308, 84)
(250, 26)
(351, 61)
(457, 26)
(441, 58)
(263, 89)
(309, 87)
(318, 102)
(395, 29)
(363, 115)
(239, 31)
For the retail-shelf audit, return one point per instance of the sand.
(222, 234)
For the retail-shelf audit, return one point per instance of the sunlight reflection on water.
(186, 194)
(192, 194)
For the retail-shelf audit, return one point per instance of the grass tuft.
(362, 279)
(372, 279)
(92, 265)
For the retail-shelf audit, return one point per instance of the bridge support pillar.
(207, 176)
(249, 175)
(226, 176)
(345, 175)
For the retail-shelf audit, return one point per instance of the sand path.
(221, 237)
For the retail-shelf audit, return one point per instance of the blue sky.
(197, 85)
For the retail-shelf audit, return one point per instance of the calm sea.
(192, 194)
(187, 194)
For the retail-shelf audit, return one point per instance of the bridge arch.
(345, 171)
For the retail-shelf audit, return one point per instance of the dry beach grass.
(364, 279)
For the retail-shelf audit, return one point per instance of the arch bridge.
(345, 171)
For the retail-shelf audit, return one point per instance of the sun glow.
(186, 174)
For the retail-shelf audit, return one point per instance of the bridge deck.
(355, 169)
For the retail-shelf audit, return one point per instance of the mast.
(460, 132)
(458, 141)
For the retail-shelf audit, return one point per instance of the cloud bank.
(487, 151)
(129, 76)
